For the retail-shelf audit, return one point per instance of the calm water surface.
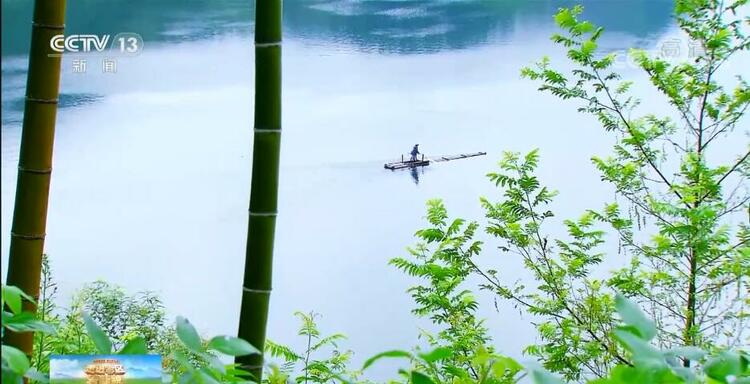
(152, 164)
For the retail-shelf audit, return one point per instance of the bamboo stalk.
(35, 160)
(265, 180)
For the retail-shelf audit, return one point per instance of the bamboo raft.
(425, 162)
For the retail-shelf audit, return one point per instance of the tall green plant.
(256, 288)
(680, 220)
(35, 160)
(689, 260)
(575, 310)
(46, 312)
(322, 361)
(442, 261)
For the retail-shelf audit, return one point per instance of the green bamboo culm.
(256, 289)
(35, 159)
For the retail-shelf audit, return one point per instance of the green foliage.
(576, 309)
(231, 346)
(215, 371)
(194, 360)
(97, 335)
(650, 365)
(436, 366)
(321, 362)
(689, 259)
(126, 319)
(16, 366)
(188, 335)
(136, 346)
(579, 316)
(679, 221)
(122, 316)
(137, 322)
(46, 312)
(442, 261)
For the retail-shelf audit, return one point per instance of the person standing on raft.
(415, 152)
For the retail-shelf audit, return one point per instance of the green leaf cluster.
(322, 361)
(16, 366)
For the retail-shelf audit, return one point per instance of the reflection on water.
(151, 165)
(422, 26)
(68, 100)
(383, 26)
(155, 21)
(415, 171)
(413, 26)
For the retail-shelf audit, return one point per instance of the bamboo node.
(265, 130)
(268, 44)
(48, 26)
(42, 101)
(42, 171)
(261, 291)
(28, 237)
(267, 214)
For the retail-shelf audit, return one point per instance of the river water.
(152, 163)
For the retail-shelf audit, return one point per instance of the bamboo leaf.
(183, 361)
(504, 365)
(420, 378)
(26, 322)
(15, 359)
(541, 376)
(724, 365)
(632, 315)
(232, 346)
(688, 352)
(394, 353)
(643, 353)
(216, 364)
(188, 335)
(13, 296)
(205, 377)
(97, 335)
(136, 346)
(436, 354)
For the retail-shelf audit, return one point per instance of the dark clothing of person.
(414, 153)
